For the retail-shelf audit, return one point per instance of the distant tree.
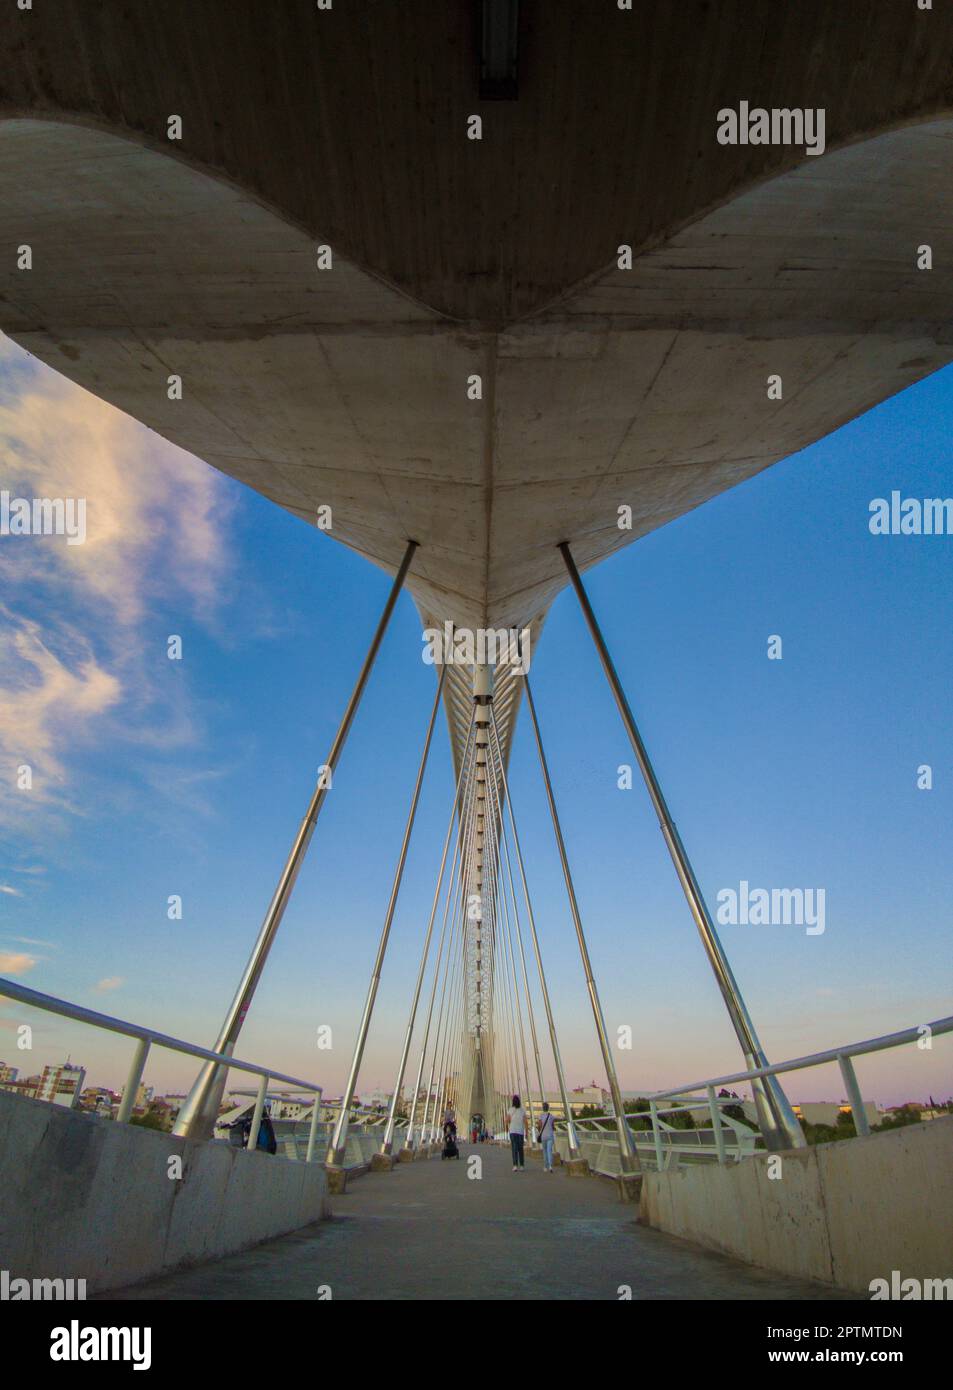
(150, 1120)
(640, 1108)
(818, 1134)
(734, 1112)
(828, 1134)
(679, 1119)
(897, 1119)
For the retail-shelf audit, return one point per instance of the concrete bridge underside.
(350, 387)
(454, 258)
(645, 388)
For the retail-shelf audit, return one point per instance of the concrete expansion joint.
(576, 1167)
(630, 1186)
(337, 1181)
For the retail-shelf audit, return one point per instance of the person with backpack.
(546, 1133)
(241, 1129)
(517, 1127)
(267, 1139)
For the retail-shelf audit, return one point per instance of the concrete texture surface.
(452, 257)
(427, 1231)
(889, 1204)
(352, 122)
(644, 388)
(845, 1213)
(86, 1198)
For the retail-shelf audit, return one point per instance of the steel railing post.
(257, 1113)
(857, 1110)
(715, 1110)
(313, 1131)
(656, 1135)
(133, 1080)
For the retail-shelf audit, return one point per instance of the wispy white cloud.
(11, 892)
(46, 697)
(79, 662)
(152, 510)
(15, 962)
(109, 983)
(186, 789)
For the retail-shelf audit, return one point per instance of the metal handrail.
(728, 1137)
(147, 1037)
(687, 1104)
(816, 1059)
(714, 1103)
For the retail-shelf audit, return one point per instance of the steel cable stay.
(509, 925)
(523, 958)
(507, 1018)
(452, 889)
(387, 1142)
(627, 1150)
(337, 1147)
(571, 1135)
(446, 1000)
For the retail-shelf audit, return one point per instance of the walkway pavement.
(427, 1231)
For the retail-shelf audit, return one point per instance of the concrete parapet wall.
(86, 1198)
(843, 1213)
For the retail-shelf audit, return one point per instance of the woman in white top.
(517, 1133)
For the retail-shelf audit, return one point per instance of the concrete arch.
(145, 266)
(643, 388)
(268, 91)
(352, 121)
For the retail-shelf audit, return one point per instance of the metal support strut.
(388, 1140)
(500, 772)
(197, 1117)
(627, 1151)
(338, 1145)
(779, 1125)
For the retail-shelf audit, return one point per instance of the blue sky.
(156, 777)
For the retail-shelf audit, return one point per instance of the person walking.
(547, 1133)
(517, 1125)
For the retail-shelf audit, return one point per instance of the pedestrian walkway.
(428, 1231)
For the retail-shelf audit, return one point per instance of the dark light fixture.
(499, 50)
